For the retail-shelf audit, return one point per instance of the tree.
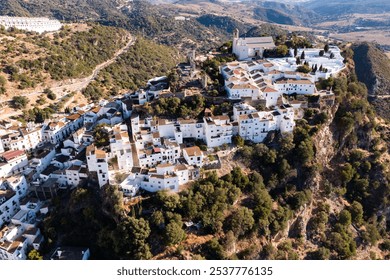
(101, 135)
(174, 233)
(238, 141)
(130, 239)
(167, 201)
(298, 61)
(34, 255)
(241, 221)
(20, 102)
(303, 55)
(322, 52)
(305, 151)
(356, 210)
(326, 48)
(345, 218)
(304, 69)
(282, 50)
(213, 250)
(343, 244)
(320, 254)
(347, 173)
(3, 82)
(295, 51)
(331, 56)
(371, 234)
(112, 202)
(50, 94)
(157, 219)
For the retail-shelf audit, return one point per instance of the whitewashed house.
(193, 156)
(98, 162)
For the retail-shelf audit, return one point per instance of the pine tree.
(295, 51)
(326, 48)
(303, 55)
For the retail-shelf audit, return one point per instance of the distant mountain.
(138, 16)
(225, 23)
(290, 12)
(335, 8)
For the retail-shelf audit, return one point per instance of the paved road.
(62, 88)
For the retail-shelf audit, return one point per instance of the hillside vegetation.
(63, 10)
(31, 60)
(141, 62)
(138, 16)
(373, 69)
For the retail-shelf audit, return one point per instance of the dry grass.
(350, 20)
(379, 36)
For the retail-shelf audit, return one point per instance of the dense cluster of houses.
(257, 78)
(153, 153)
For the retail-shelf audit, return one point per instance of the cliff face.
(373, 69)
(324, 140)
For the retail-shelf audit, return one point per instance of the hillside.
(225, 23)
(79, 63)
(29, 61)
(63, 10)
(373, 69)
(132, 69)
(138, 17)
(337, 8)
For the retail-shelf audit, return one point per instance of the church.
(252, 47)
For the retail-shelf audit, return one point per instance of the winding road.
(73, 85)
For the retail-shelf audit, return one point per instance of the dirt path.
(73, 85)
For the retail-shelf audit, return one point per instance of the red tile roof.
(12, 154)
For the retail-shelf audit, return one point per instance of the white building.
(218, 130)
(75, 174)
(251, 47)
(12, 162)
(42, 161)
(193, 156)
(98, 162)
(39, 25)
(57, 131)
(12, 245)
(293, 86)
(24, 138)
(258, 80)
(11, 191)
(165, 176)
(255, 126)
(191, 128)
(120, 147)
